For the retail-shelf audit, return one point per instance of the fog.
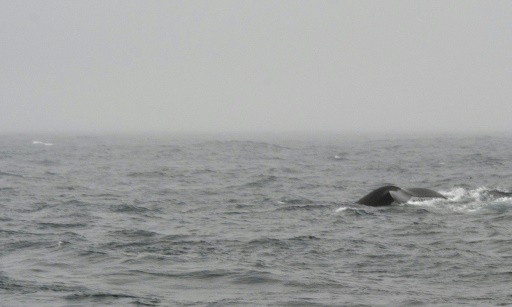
(256, 66)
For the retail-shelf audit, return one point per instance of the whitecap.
(41, 143)
(469, 200)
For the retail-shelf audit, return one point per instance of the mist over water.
(161, 220)
(251, 66)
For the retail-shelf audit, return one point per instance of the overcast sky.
(244, 66)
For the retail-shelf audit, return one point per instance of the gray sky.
(243, 66)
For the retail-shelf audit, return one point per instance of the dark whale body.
(386, 195)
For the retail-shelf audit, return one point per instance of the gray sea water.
(253, 221)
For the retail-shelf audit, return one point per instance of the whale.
(386, 195)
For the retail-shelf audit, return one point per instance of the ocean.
(253, 220)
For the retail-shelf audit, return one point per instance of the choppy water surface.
(163, 221)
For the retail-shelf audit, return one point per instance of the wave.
(134, 233)
(340, 157)
(297, 200)
(247, 144)
(50, 225)
(98, 297)
(352, 211)
(254, 277)
(126, 208)
(10, 174)
(307, 207)
(236, 276)
(148, 174)
(470, 200)
(41, 143)
(262, 181)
